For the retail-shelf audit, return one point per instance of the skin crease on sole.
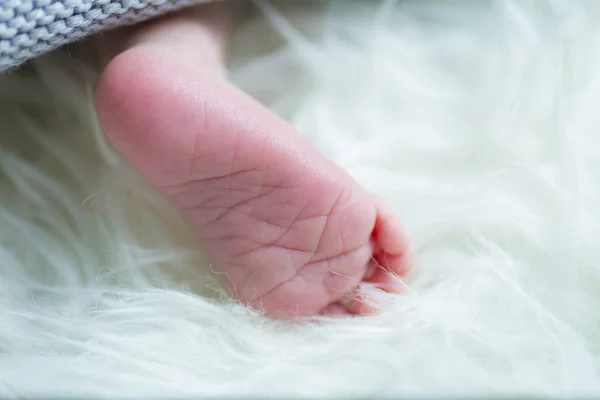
(294, 233)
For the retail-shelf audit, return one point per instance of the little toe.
(334, 310)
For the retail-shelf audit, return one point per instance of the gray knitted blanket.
(29, 28)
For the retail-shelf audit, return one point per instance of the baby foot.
(294, 233)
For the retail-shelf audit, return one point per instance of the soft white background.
(478, 120)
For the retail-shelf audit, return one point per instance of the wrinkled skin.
(293, 233)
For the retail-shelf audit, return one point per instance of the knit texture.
(29, 28)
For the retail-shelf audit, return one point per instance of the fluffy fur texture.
(479, 121)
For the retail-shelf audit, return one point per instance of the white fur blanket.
(478, 120)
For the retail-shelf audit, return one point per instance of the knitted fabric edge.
(29, 28)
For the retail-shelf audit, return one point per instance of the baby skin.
(292, 232)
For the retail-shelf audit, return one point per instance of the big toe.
(391, 248)
(390, 260)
